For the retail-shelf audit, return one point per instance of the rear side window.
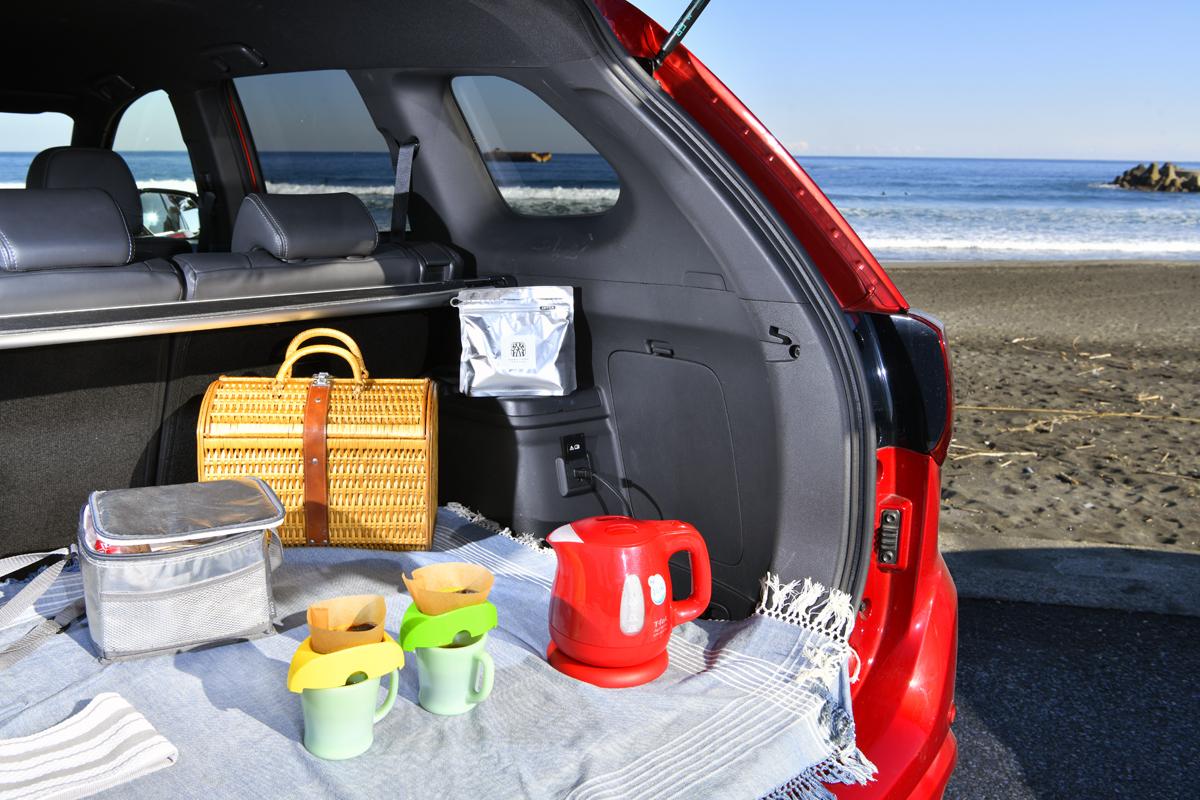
(313, 134)
(23, 136)
(149, 139)
(542, 166)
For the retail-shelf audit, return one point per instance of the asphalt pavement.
(1079, 703)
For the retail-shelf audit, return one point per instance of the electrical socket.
(574, 456)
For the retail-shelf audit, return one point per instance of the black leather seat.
(69, 249)
(97, 168)
(285, 244)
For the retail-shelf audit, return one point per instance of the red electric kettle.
(611, 611)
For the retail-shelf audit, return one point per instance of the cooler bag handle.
(356, 363)
(27, 596)
(319, 333)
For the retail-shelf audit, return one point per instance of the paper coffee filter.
(330, 622)
(439, 588)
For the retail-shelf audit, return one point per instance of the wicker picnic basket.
(353, 460)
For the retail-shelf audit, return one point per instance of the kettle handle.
(683, 537)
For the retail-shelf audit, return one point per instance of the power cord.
(589, 474)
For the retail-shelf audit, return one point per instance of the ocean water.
(903, 208)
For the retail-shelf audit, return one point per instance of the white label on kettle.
(658, 589)
(633, 606)
(564, 534)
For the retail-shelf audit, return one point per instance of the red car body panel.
(907, 642)
(907, 633)
(856, 278)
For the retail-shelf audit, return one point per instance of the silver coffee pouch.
(517, 341)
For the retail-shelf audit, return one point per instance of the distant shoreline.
(1186, 162)
(1038, 263)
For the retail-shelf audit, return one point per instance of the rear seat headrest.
(49, 228)
(294, 226)
(88, 168)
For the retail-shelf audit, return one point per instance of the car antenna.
(686, 21)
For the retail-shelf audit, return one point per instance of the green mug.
(340, 722)
(454, 679)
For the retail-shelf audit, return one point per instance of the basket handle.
(356, 364)
(331, 333)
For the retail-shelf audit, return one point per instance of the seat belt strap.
(406, 152)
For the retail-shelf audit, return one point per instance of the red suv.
(744, 363)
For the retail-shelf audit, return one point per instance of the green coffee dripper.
(418, 630)
(447, 625)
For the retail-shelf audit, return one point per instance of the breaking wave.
(905, 247)
(904, 209)
(556, 200)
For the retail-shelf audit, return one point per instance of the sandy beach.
(1078, 393)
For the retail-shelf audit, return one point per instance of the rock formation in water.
(1167, 178)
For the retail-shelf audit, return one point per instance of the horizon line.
(797, 156)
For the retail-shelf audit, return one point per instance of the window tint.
(149, 139)
(541, 165)
(23, 136)
(314, 134)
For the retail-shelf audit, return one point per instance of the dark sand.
(1107, 358)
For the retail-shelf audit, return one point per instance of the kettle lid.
(609, 531)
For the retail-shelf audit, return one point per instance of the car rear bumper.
(907, 640)
(904, 729)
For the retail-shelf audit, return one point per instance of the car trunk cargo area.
(656, 413)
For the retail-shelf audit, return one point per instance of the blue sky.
(1017, 79)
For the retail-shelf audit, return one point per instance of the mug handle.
(487, 669)
(390, 700)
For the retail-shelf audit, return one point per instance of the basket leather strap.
(316, 471)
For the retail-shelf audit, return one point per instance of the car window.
(149, 139)
(541, 165)
(314, 134)
(23, 136)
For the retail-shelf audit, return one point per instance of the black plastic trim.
(907, 372)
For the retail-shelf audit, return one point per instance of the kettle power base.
(607, 677)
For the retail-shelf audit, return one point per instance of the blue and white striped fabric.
(63, 592)
(747, 709)
(105, 745)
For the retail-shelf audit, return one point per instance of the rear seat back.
(97, 168)
(69, 249)
(285, 244)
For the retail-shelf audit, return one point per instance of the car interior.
(718, 379)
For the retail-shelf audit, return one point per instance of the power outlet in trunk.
(574, 456)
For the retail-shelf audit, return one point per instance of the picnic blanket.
(753, 708)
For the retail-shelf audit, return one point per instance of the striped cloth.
(753, 708)
(67, 589)
(106, 744)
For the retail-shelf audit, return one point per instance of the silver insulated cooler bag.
(517, 342)
(168, 568)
